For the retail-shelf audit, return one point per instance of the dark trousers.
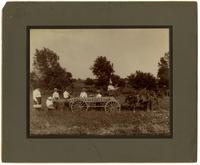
(66, 104)
(39, 100)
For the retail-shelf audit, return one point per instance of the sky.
(128, 49)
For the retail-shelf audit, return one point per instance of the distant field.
(100, 123)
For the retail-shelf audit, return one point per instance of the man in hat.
(56, 94)
(49, 103)
(83, 94)
(111, 89)
(37, 98)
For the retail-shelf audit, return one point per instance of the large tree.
(102, 69)
(163, 71)
(141, 80)
(47, 72)
(117, 80)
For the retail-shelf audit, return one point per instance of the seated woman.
(83, 94)
(98, 94)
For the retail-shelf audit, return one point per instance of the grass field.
(100, 123)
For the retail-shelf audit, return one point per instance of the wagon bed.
(108, 103)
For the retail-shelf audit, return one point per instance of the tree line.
(47, 73)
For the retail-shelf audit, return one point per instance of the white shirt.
(55, 95)
(98, 95)
(36, 93)
(111, 87)
(83, 95)
(49, 103)
(66, 95)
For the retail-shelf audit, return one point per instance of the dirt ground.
(96, 122)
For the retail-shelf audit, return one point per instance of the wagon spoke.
(112, 106)
(79, 106)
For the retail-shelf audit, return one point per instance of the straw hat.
(98, 91)
(49, 98)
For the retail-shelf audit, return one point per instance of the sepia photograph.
(99, 82)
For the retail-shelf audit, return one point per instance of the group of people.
(144, 99)
(52, 101)
(84, 94)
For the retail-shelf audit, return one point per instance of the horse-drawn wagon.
(108, 103)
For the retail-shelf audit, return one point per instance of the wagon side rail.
(108, 103)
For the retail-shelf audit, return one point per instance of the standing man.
(37, 98)
(56, 94)
(66, 96)
(56, 97)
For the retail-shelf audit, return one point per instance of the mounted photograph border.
(102, 27)
(179, 16)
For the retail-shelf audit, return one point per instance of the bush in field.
(89, 81)
(102, 69)
(141, 80)
(47, 72)
(122, 83)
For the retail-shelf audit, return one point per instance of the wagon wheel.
(79, 106)
(112, 106)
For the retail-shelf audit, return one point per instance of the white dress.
(83, 95)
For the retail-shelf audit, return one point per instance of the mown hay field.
(97, 122)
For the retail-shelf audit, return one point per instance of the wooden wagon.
(108, 103)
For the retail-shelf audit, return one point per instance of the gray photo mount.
(181, 147)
